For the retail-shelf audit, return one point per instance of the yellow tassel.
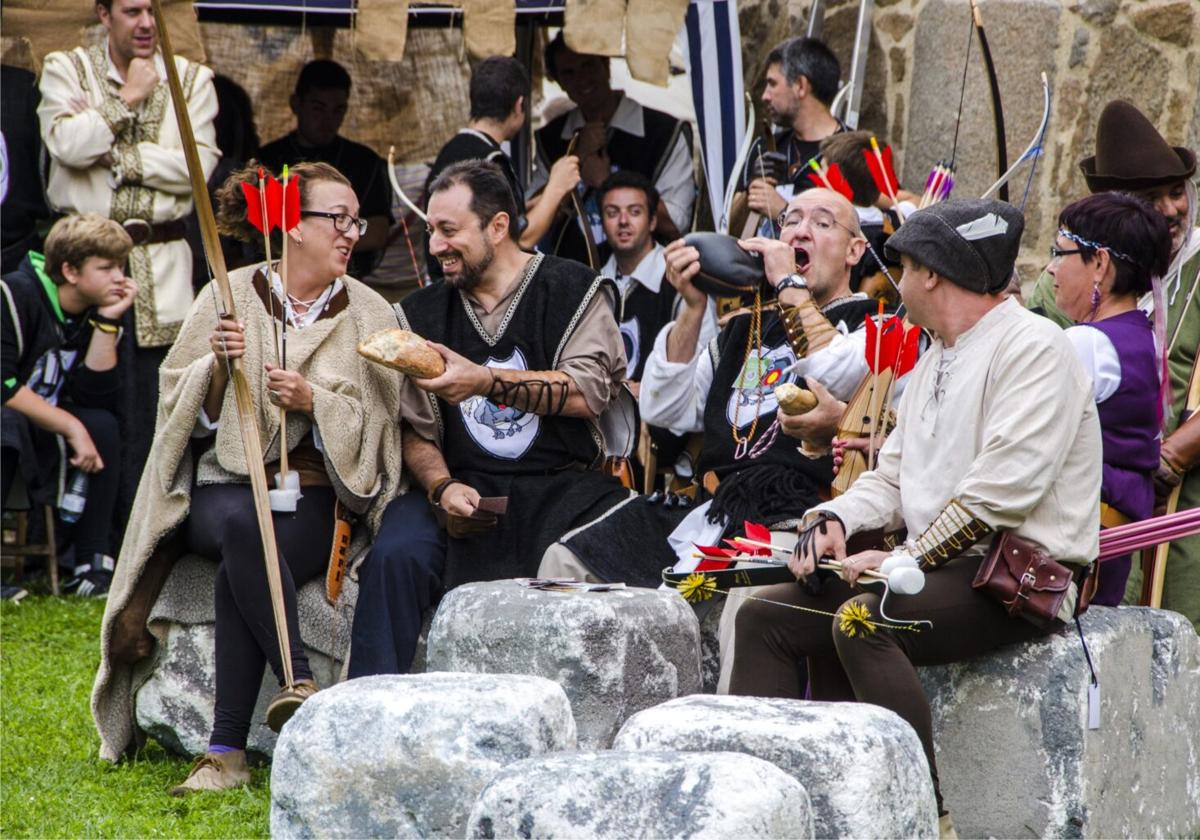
(855, 620)
(697, 587)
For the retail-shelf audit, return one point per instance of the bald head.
(831, 201)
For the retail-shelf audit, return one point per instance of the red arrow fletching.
(253, 206)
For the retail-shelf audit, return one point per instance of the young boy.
(60, 322)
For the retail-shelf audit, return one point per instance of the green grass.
(52, 784)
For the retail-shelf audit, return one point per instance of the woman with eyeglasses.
(341, 438)
(1108, 253)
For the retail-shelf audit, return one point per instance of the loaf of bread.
(404, 351)
(793, 399)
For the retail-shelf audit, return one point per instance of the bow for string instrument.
(247, 423)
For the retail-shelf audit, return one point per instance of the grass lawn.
(52, 784)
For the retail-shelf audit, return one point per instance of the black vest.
(741, 390)
(641, 314)
(478, 435)
(646, 155)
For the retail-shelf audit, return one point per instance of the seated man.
(498, 97)
(611, 131)
(726, 390)
(801, 82)
(61, 322)
(629, 207)
(997, 430)
(320, 101)
(533, 357)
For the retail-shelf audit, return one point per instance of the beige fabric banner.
(49, 25)
(650, 30)
(381, 29)
(490, 27)
(595, 27)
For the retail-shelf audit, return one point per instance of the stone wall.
(1092, 51)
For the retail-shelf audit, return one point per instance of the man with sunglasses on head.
(1131, 156)
(505, 442)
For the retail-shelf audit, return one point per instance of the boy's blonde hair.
(74, 238)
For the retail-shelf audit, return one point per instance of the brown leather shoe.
(287, 701)
(215, 771)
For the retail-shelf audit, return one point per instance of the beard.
(471, 273)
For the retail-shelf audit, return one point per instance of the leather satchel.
(1027, 581)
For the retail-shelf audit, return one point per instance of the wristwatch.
(792, 281)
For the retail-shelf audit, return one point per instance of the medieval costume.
(128, 165)
(730, 397)
(1119, 359)
(1131, 156)
(997, 431)
(347, 453)
(557, 317)
(649, 142)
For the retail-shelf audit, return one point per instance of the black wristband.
(102, 319)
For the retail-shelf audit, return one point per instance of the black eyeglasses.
(1056, 252)
(342, 222)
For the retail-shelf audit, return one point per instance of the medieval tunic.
(1119, 360)
(355, 403)
(148, 178)
(717, 391)
(1004, 422)
(558, 317)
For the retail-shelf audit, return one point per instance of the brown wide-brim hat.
(1131, 155)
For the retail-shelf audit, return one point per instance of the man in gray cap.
(997, 430)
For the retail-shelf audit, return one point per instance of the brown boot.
(287, 701)
(215, 771)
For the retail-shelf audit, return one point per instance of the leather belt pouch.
(1024, 579)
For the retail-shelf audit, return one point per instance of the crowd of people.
(568, 315)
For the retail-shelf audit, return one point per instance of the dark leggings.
(91, 534)
(223, 527)
(879, 667)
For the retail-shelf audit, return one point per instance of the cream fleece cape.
(355, 406)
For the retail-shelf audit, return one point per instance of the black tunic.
(641, 314)
(543, 464)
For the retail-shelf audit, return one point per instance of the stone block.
(648, 794)
(1020, 716)
(175, 704)
(406, 756)
(614, 653)
(862, 765)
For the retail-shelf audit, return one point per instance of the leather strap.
(143, 232)
(1110, 517)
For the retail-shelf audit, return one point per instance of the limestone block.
(1022, 713)
(406, 756)
(614, 653)
(862, 765)
(648, 794)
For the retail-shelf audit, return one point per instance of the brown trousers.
(876, 667)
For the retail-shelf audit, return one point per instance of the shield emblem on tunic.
(501, 430)
(753, 392)
(631, 336)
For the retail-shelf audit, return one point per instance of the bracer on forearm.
(807, 328)
(952, 532)
(537, 396)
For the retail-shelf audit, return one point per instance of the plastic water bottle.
(74, 499)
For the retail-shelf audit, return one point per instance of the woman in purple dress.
(1109, 248)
